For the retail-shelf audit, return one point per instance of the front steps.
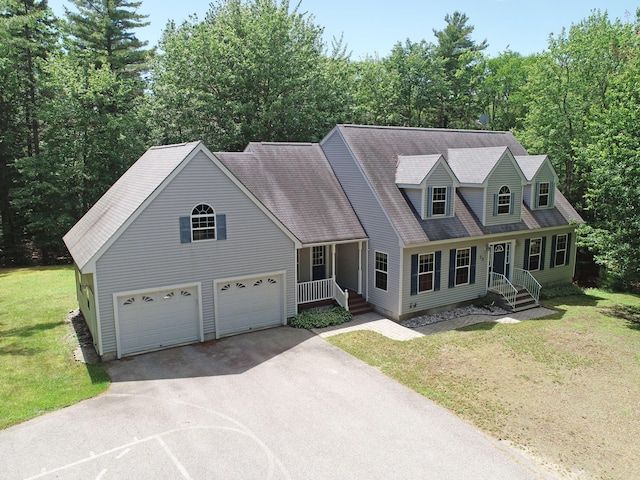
(358, 305)
(524, 300)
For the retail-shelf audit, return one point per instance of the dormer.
(539, 192)
(491, 182)
(429, 184)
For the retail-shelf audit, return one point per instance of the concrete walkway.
(378, 323)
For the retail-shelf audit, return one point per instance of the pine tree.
(103, 31)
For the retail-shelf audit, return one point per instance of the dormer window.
(543, 194)
(504, 200)
(439, 201)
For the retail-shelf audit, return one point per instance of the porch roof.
(296, 183)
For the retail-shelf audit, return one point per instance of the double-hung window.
(543, 194)
(439, 201)
(535, 253)
(504, 200)
(561, 250)
(463, 265)
(426, 265)
(381, 270)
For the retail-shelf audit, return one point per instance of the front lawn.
(566, 388)
(38, 373)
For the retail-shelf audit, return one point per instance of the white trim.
(433, 273)
(199, 147)
(98, 317)
(440, 215)
(216, 282)
(115, 296)
(455, 271)
(509, 261)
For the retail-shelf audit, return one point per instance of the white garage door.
(157, 319)
(249, 303)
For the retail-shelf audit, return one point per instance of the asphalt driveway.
(275, 404)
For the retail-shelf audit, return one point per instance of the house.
(190, 245)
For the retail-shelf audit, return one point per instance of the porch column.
(360, 267)
(333, 261)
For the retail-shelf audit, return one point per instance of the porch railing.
(341, 296)
(315, 291)
(502, 285)
(528, 281)
(325, 289)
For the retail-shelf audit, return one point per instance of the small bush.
(483, 301)
(563, 290)
(318, 318)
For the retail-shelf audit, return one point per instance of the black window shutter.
(566, 256)
(429, 201)
(537, 195)
(554, 240)
(452, 268)
(221, 226)
(495, 204)
(527, 243)
(436, 280)
(414, 274)
(542, 252)
(512, 205)
(185, 229)
(472, 272)
(449, 200)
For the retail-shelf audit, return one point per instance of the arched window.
(504, 200)
(203, 223)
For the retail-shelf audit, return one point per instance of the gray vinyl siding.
(548, 276)
(545, 174)
(506, 173)
(439, 177)
(415, 197)
(149, 254)
(382, 236)
(85, 291)
(475, 199)
(528, 192)
(413, 305)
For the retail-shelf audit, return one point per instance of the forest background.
(81, 98)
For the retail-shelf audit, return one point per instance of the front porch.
(332, 273)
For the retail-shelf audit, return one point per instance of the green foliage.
(318, 318)
(251, 71)
(563, 290)
(37, 370)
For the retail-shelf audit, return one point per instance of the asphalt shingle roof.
(296, 183)
(473, 165)
(412, 170)
(375, 148)
(114, 208)
(530, 164)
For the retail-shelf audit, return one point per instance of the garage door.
(157, 319)
(249, 303)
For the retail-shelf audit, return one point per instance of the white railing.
(528, 281)
(325, 289)
(502, 285)
(342, 297)
(315, 290)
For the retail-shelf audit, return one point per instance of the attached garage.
(249, 303)
(153, 319)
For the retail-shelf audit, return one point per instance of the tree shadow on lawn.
(625, 312)
(29, 330)
(478, 327)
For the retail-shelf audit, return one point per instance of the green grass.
(38, 373)
(566, 386)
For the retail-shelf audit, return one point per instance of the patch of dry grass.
(566, 388)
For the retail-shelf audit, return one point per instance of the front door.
(499, 262)
(318, 265)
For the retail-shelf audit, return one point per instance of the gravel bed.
(423, 320)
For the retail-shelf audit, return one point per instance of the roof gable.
(532, 164)
(414, 170)
(99, 225)
(474, 166)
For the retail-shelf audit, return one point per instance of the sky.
(371, 27)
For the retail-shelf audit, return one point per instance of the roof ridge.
(427, 129)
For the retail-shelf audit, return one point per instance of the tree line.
(81, 98)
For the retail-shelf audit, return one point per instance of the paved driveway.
(275, 404)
